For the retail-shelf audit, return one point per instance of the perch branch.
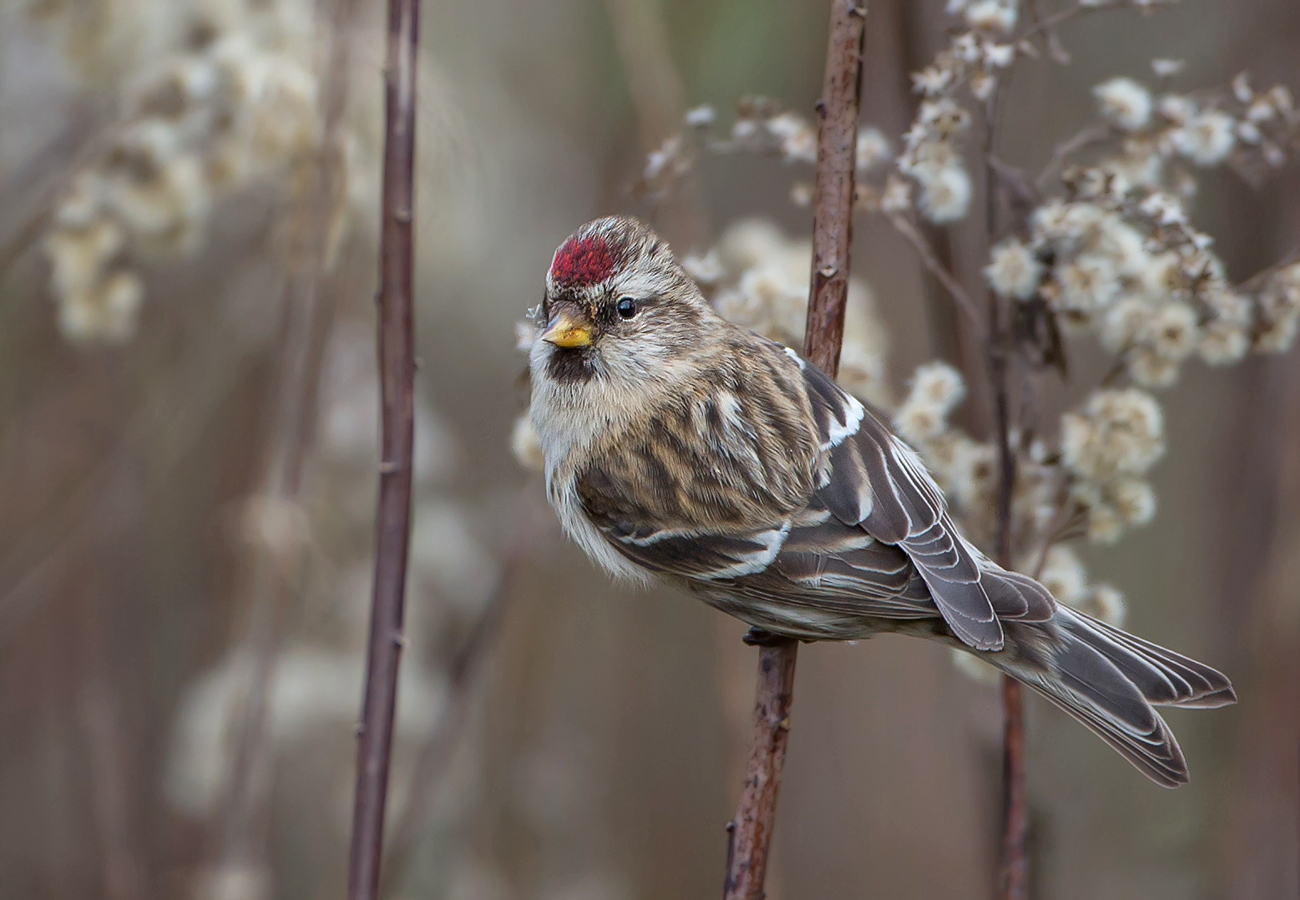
(397, 402)
(1014, 867)
(751, 830)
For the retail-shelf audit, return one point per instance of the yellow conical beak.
(568, 331)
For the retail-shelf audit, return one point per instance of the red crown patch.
(583, 261)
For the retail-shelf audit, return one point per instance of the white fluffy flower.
(992, 15)
(1124, 103)
(1172, 332)
(1167, 68)
(526, 444)
(1087, 284)
(1123, 245)
(945, 194)
(706, 269)
(1205, 138)
(940, 384)
(1151, 369)
(897, 196)
(701, 116)
(1125, 323)
(1013, 270)
(1223, 342)
(1134, 500)
(1163, 278)
(106, 311)
(873, 148)
(936, 388)
(1120, 432)
(797, 138)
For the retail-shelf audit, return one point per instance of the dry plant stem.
(397, 402)
(1015, 863)
(932, 265)
(1014, 868)
(1093, 134)
(751, 830)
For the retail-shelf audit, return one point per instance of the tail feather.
(1195, 684)
(1111, 681)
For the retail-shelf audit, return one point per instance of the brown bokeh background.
(596, 749)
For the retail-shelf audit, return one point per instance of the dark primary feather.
(874, 481)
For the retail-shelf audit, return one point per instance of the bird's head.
(618, 309)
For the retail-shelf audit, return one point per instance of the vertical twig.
(1013, 875)
(837, 139)
(397, 395)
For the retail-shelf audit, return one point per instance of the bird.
(686, 450)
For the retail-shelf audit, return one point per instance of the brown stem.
(1015, 862)
(397, 399)
(931, 262)
(1093, 134)
(837, 139)
(1014, 869)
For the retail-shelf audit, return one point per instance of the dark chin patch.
(573, 366)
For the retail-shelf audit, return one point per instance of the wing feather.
(876, 482)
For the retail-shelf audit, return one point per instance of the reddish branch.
(1013, 876)
(751, 830)
(397, 395)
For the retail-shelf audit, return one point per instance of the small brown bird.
(682, 448)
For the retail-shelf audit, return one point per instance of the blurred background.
(188, 420)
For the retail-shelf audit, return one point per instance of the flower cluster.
(759, 278)
(965, 468)
(1107, 448)
(225, 113)
(931, 158)
(762, 127)
(974, 58)
(1123, 262)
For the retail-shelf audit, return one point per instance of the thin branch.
(1015, 861)
(397, 396)
(904, 226)
(751, 830)
(1014, 868)
(1256, 281)
(1093, 134)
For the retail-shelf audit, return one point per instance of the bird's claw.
(761, 637)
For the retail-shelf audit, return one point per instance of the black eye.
(626, 307)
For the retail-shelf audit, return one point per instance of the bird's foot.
(761, 637)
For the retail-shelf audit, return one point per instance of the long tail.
(1112, 681)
